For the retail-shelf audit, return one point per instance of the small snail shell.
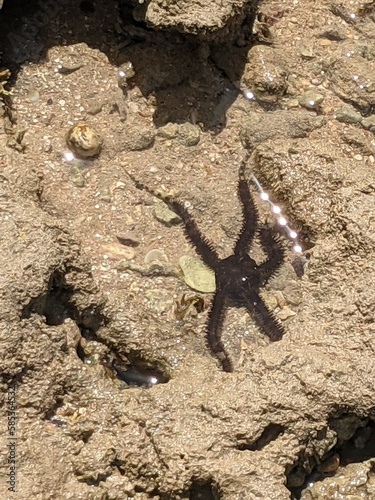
(83, 140)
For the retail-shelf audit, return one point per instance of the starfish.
(238, 277)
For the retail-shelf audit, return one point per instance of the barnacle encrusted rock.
(208, 19)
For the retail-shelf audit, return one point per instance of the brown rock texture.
(88, 320)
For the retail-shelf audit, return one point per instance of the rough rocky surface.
(79, 288)
(212, 19)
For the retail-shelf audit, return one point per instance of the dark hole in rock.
(127, 367)
(81, 353)
(56, 304)
(86, 435)
(130, 18)
(26, 27)
(355, 443)
(51, 414)
(270, 433)
(203, 490)
(119, 466)
(87, 7)
(52, 304)
(136, 374)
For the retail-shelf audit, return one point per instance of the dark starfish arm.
(202, 245)
(250, 216)
(264, 318)
(273, 247)
(214, 328)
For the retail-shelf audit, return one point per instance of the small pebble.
(196, 275)
(33, 96)
(285, 313)
(264, 75)
(169, 131)
(188, 134)
(93, 108)
(165, 215)
(77, 174)
(127, 239)
(311, 99)
(144, 140)
(115, 251)
(307, 51)
(125, 73)
(346, 114)
(298, 264)
(369, 123)
(105, 195)
(83, 140)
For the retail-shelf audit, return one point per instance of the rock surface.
(76, 302)
(203, 18)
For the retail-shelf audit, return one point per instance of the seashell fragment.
(84, 141)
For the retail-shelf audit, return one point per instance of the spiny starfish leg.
(274, 249)
(263, 317)
(214, 329)
(250, 216)
(202, 245)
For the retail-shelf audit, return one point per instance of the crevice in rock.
(136, 373)
(57, 304)
(94, 482)
(51, 413)
(355, 443)
(119, 466)
(54, 303)
(86, 435)
(203, 490)
(87, 7)
(270, 433)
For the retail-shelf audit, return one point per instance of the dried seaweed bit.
(188, 305)
(15, 141)
(4, 79)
